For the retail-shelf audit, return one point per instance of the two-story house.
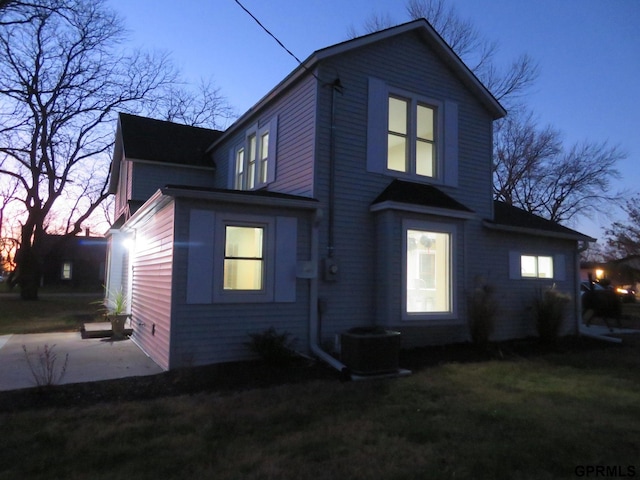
(357, 192)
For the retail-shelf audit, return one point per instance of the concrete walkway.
(90, 359)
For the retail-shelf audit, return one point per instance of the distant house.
(357, 192)
(623, 271)
(73, 261)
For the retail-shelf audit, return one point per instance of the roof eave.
(241, 197)
(429, 34)
(423, 209)
(538, 232)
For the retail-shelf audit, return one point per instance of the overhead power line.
(275, 38)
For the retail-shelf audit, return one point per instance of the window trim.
(559, 265)
(413, 101)
(264, 166)
(232, 257)
(63, 270)
(377, 118)
(452, 231)
(266, 294)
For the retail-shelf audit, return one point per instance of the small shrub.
(274, 348)
(483, 310)
(549, 308)
(44, 370)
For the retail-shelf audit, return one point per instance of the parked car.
(626, 293)
(603, 301)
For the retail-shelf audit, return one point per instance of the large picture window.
(428, 271)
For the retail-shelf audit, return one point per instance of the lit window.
(428, 271)
(411, 146)
(532, 266)
(239, 168)
(264, 157)
(66, 271)
(254, 159)
(243, 258)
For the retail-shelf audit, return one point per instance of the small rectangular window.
(66, 271)
(251, 168)
(397, 136)
(533, 266)
(243, 258)
(239, 182)
(264, 156)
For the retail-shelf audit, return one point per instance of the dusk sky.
(588, 52)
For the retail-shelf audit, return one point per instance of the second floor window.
(411, 139)
(253, 160)
(411, 135)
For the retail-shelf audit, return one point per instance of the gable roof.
(148, 139)
(412, 193)
(509, 218)
(167, 142)
(426, 32)
(417, 197)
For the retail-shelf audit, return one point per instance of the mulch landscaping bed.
(248, 375)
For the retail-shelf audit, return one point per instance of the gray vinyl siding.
(149, 177)
(124, 188)
(351, 300)
(218, 332)
(152, 286)
(295, 112)
(516, 295)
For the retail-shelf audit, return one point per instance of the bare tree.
(63, 78)
(507, 84)
(532, 170)
(201, 106)
(521, 150)
(623, 238)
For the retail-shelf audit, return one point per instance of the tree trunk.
(28, 263)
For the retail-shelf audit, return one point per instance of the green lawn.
(51, 313)
(546, 417)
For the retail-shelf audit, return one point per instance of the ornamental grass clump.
(483, 310)
(549, 310)
(277, 349)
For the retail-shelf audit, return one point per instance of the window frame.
(64, 270)
(536, 274)
(230, 257)
(266, 294)
(446, 139)
(558, 259)
(258, 168)
(438, 228)
(413, 102)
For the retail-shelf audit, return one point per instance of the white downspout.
(313, 305)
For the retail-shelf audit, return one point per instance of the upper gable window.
(411, 136)
(253, 161)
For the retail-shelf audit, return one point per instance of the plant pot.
(117, 325)
(370, 350)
